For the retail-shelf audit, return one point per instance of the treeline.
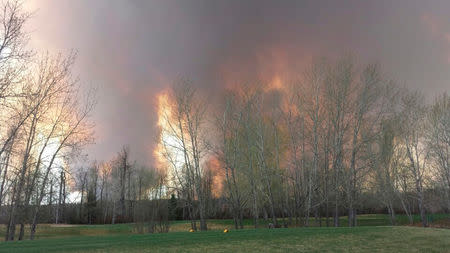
(119, 191)
(316, 148)
(44, 121)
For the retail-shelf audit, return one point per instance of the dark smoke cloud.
(134, 49)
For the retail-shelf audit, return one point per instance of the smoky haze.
(132, 50)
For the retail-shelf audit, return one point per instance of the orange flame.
(166, 142)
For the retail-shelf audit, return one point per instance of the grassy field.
(373, 235)
(360, 239)
(52, 231)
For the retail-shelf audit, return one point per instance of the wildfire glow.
(275, 84)
(169, 153)
(169, 149)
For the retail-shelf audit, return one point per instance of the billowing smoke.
(132, 50)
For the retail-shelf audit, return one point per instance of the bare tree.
(438, 142)
(230, 127)
(13, 52)
(413, 142)
(184, 148)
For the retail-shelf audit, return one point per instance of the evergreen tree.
(173, 207)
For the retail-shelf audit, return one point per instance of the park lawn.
(45, 231)
(358, 239)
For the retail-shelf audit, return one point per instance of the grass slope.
(359, 239)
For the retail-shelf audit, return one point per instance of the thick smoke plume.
(133, 50)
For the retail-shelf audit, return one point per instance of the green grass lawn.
(359, 239)
(52, 231)
(372, 235)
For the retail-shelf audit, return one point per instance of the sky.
(134, 50)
